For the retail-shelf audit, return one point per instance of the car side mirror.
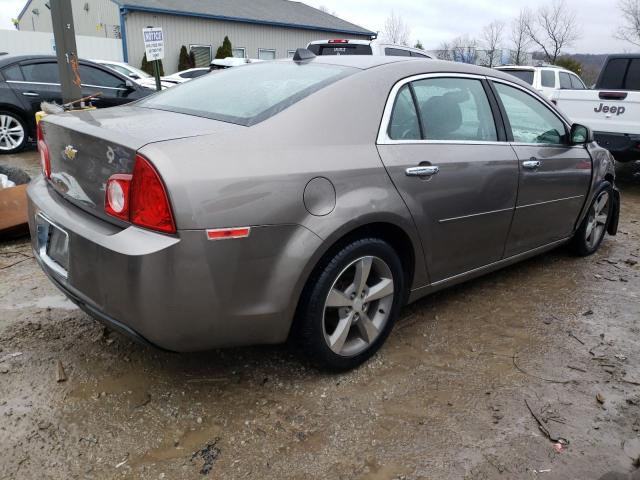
(129, 84)
(581, 135)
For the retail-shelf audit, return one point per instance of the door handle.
(532, 164)
(30, 94)
(422, 171)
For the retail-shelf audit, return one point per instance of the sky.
(435, 21)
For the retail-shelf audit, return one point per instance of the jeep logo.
(617, 111)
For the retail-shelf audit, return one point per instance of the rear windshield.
(524, 75)
(341, 49)
(248, 94)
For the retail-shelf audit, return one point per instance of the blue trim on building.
(24, 9)
(244, 20)
(123, 34)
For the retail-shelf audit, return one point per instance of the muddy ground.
(445, 399)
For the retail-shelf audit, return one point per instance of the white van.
(546, 79)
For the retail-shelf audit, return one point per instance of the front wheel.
(351, 304)
(593, 228)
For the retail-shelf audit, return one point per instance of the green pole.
(156, 72)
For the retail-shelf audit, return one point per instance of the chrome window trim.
(383, 135)
(33, 83)
(57, 84)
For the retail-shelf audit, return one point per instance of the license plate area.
(52, 245)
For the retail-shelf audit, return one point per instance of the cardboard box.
(13, 209)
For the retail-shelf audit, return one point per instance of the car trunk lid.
(86, 148)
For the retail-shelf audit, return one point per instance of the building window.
(238, 53)
(201, 54)
(291, 53)
(266, 54)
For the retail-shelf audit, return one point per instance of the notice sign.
(153, 43)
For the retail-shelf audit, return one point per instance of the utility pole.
(65, 39)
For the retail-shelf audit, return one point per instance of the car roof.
(10, 59)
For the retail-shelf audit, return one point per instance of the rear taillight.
(140, 198)
(45, 161)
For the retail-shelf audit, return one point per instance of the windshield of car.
(524, 75)
(248, 94)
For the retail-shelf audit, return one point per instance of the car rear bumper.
(183, 292)
(624, 147)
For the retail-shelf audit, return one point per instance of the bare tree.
(325, 9)
(464, 49)
(553, 27)
(492, 42)
(520, 41)
(629, 31)
(444, 52)
(396, 30)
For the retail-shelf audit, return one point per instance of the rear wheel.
(593, 228)
(13, 132)
(351, 304)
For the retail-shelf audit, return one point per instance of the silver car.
(308, 199)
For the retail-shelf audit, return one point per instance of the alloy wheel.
(11, 132)
(597, 220)
(358, 306)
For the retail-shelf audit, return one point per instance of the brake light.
(140, 198)
(338, 41)
(45, 160)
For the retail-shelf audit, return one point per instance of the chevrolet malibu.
(308, 199)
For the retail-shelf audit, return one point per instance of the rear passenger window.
(404, 119)
(565, 81)
(41, 72)
(455, 109)
(633, 76)
(396, 52)
(99, 78)
(576, 83)
(548, 78)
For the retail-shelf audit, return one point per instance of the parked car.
(229, 62)
(612, 110)
(185, 75)
(364, 47)
(546, 79)
(237, 210)
(137, 75)
(28, 80)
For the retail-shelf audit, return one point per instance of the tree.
(184, 60)
(418, 45)
(444, 52)
(492, 40)
(570, 64)
(325, 9)
(147, 66)
(464, 49)
(225, 50)
(553, 27)
(396, 30)
(629, 31)
(520, 41)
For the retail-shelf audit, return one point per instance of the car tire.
(593, 228)
(351, 302)
(13, 132)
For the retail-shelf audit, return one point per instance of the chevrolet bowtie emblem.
(70, 152)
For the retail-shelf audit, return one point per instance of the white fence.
(41, 43)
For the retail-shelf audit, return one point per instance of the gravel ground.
(455, 392)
